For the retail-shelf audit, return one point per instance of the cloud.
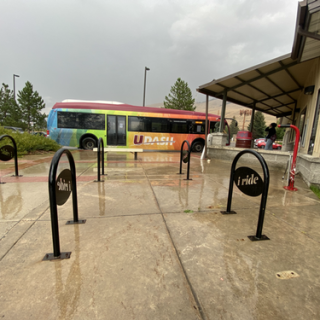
(98, 49)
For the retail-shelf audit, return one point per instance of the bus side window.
(179, 126)
(199, 128)
(214, 126)
(191, 127)
(139, 124)
(160, 125)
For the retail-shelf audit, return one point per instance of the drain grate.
(286, 275)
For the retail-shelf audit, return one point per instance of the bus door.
(116, 130)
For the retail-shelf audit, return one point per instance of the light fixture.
(14, 85)
(309, 90)
(144, 90)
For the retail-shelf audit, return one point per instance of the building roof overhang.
(273, 87)
(306, 44)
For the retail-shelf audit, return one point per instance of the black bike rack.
(15, 154)
(100, 145)
(186, 159)
(70, 186)
(262, 187)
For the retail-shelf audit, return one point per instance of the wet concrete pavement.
(155, 246)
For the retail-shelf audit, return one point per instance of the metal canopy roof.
(274, 86)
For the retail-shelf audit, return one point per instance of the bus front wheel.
(197, 146)
(89, 143)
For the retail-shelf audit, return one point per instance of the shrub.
(316, 190)
(28, 143)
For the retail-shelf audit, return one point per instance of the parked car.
(256, 141)
(262, 145)
(15, 129)
(39, 133)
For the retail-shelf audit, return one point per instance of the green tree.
(233, 127)
(31, 103)
(180, 97)
(9, 111)
(41, 125)
(259, 126)
(280, 131)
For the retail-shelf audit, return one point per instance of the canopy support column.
(223, 111)
(204, 153)
(251, 122)
(252, 117)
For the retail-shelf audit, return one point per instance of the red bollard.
(291, 187)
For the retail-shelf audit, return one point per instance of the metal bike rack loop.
(258, 187)
(67, 187)
(15, 152)
(186, 159)
(100, 145)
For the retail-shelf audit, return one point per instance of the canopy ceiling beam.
(261, 76)
(312, 35)
(283, 105)
(273, 83)
(276, 113)
(244, 95)
(254, 87)
(281, 94)
(287, 114)
(292, 77)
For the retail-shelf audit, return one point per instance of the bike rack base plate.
(226, 212)
(254, 238)
(78, 222)
(63, 255)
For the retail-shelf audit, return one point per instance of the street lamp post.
(144, 90)
(14, 85)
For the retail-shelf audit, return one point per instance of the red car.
(262, 145)
(256, 141)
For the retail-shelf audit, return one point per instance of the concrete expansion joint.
(199, 308)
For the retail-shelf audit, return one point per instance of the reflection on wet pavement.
(155, 246)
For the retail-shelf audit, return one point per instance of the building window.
(302, 126)
(314, 126)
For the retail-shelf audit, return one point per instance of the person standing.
(271, 137)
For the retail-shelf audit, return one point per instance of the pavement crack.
(194, 295)
(1, 258)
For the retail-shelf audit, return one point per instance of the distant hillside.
(231, 110)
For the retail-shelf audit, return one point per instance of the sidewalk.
(155, 246)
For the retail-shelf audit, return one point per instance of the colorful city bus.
(81, 123)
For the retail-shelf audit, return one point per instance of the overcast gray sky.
(98, 49)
